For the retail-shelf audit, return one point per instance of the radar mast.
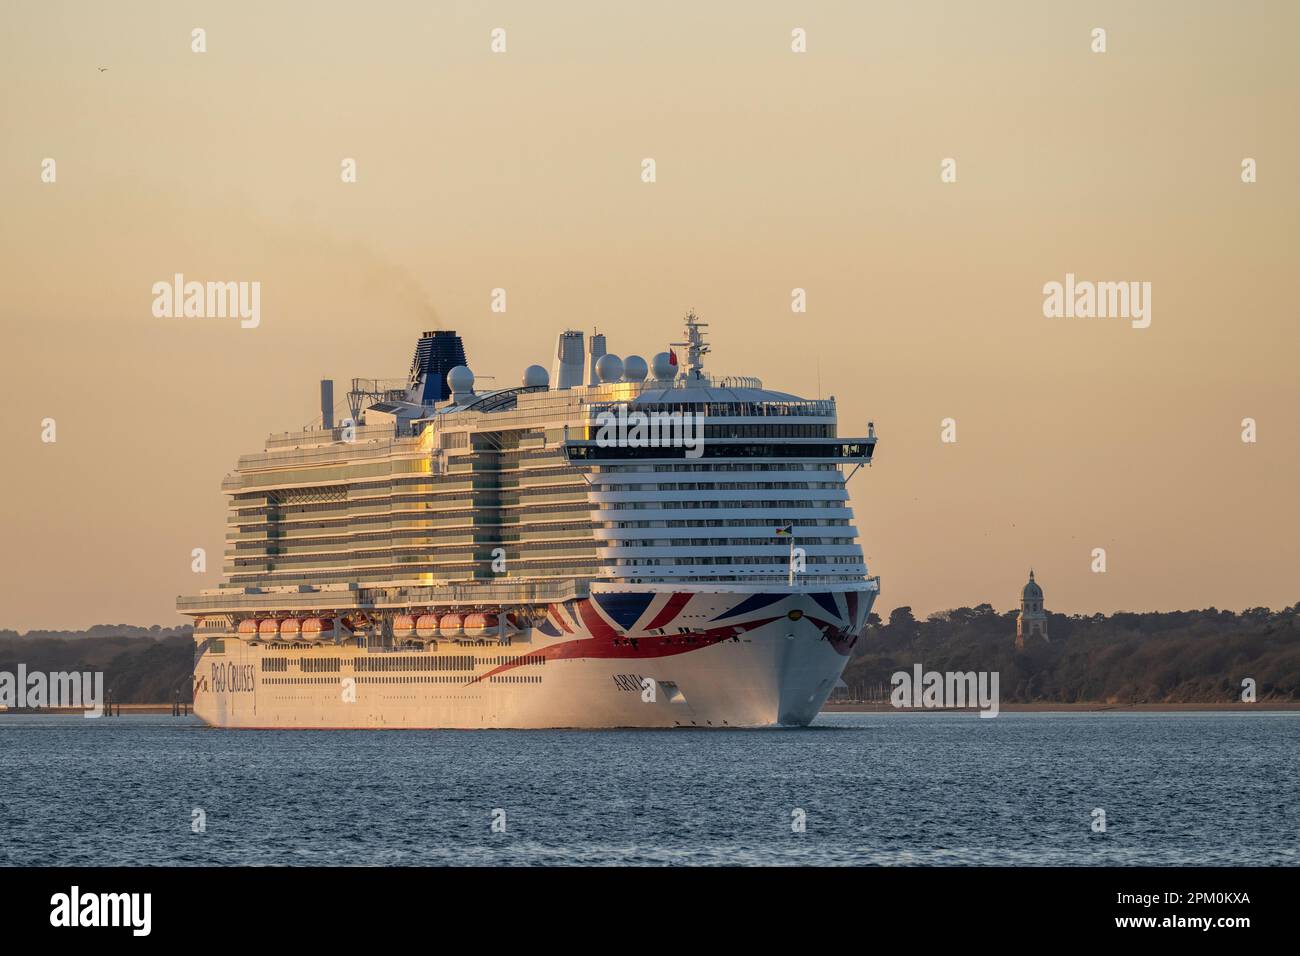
(695, 346)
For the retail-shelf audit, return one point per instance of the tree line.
(141, 666)
(1123, 658)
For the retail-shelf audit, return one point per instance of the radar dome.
(664, 367)
(536, 377)
(461, 381)
(635, 369)
(609, 369)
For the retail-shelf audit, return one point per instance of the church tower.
(1032, 619)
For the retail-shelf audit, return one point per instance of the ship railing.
(318, 437)
(486, 593)
(372, 441)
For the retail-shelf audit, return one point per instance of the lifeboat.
(248, 629)
(317, 628)
(478, 625)
(289, 628)
(426, 626)
(268, 629)
(403, 626)
(451, 625)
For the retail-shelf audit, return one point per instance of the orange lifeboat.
(451, 625)
(289, 628)
(426, 626)
(478, 625)
(315, 628)
(403, 626)
(248, 629)
(268, 629)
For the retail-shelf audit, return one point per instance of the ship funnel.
(436, 354)
(596, 349)
(327, 403)
(568, 360)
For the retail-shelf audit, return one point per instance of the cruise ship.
(611, 543)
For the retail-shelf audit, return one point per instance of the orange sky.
(775, 170)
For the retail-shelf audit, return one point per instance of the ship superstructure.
(620, 543)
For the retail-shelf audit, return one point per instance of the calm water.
(876, 789)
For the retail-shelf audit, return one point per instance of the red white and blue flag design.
(643, 624)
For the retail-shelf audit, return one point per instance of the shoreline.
(127, 709)
(884, 707)
(870, 707)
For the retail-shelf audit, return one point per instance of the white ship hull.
(629, 657)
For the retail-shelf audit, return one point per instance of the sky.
(775, 170)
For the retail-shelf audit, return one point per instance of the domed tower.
(1032, 619)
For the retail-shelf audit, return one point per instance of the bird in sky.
(103, 69)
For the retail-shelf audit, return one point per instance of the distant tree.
(1127, 657)
(901, 617)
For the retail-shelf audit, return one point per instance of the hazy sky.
(775, 170)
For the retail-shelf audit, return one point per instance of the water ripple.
(874, 789)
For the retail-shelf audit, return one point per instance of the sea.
(877, 789)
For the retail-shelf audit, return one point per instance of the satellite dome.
(635, 369)
(536, 377)
(609, 368)
(461, 381)
(664, 367)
